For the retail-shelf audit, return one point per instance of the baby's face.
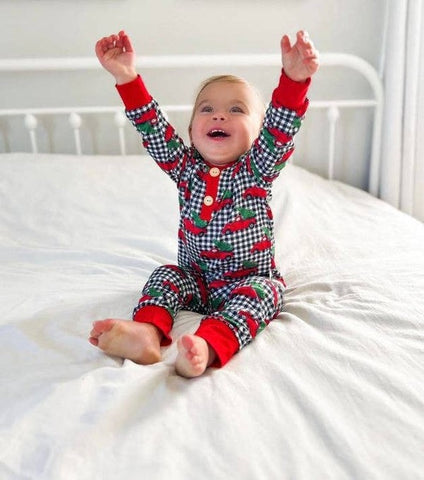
(226, 121)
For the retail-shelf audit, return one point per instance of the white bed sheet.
(332, 389)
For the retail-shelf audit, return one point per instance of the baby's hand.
(117, 56)
(300, 61)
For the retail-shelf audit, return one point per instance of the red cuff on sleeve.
(221, 338)
(159, 317)
(134, 94)
(291, 94)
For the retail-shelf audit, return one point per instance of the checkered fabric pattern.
(246, 307)
(173, 288)
(234, 245)
(244, 221)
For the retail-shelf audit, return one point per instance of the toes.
(99, 328)
(95, 333)
(102, 326)
(188, 343)
(192, 354)
(189, 346)
(191, 361)
(94, 341)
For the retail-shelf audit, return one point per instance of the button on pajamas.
(226, 269)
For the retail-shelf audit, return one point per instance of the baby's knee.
(168, 272)
(260, 294)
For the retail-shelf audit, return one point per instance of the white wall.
(48, 28)
(70, 27)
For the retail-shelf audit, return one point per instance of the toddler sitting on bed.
(226, 269)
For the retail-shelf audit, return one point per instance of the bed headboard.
(29, 117)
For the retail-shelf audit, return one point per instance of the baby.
(226, 269)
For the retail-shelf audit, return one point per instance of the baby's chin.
(222, 160)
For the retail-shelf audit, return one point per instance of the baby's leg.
(252, 303)
(194, 356)
(168, 290)
(139, 342)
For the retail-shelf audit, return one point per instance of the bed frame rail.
(75, 114)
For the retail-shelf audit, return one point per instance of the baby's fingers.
(100, 47)
(303, 37)
(106, 43)
(125, 42)
(310, 53)
(305, 44)
(112, 41)
(285, 44)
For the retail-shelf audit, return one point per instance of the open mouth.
(216, 133)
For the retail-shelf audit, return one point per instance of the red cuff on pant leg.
(220, 337)
(159, 317)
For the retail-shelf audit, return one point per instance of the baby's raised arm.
(117, 56)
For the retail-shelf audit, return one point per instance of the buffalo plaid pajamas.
(226, 269)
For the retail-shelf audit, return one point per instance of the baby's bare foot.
(194, 356)
(139, 342)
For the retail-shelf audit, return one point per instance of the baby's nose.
(219, 116)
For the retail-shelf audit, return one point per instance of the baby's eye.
(236, 109)
(206, 109)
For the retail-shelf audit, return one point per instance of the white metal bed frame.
(189, 61)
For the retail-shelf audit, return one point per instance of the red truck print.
(280, 137)
(249, 268)
(171, 286)
(221, 251)
(245, 219)
(145, 123)
(254, 291)
(221, 204)
(225, 201)
(177, 269)
(262, 245)
(218, 284)
(171, 142)
(239, 224)
(216, 254)
(169, 166)
(255, 192)
(169, 133)
(246, 291)
(191, 227)
(252, 323)
(148, 117)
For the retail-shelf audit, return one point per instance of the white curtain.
(402, 163)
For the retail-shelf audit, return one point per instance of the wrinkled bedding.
(331, 389)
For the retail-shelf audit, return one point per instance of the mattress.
(333, 388)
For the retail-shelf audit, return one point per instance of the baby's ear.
(189, 134)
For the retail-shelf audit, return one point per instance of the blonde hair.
(260, 106)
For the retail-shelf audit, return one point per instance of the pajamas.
(226, 268)
(242, 307)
